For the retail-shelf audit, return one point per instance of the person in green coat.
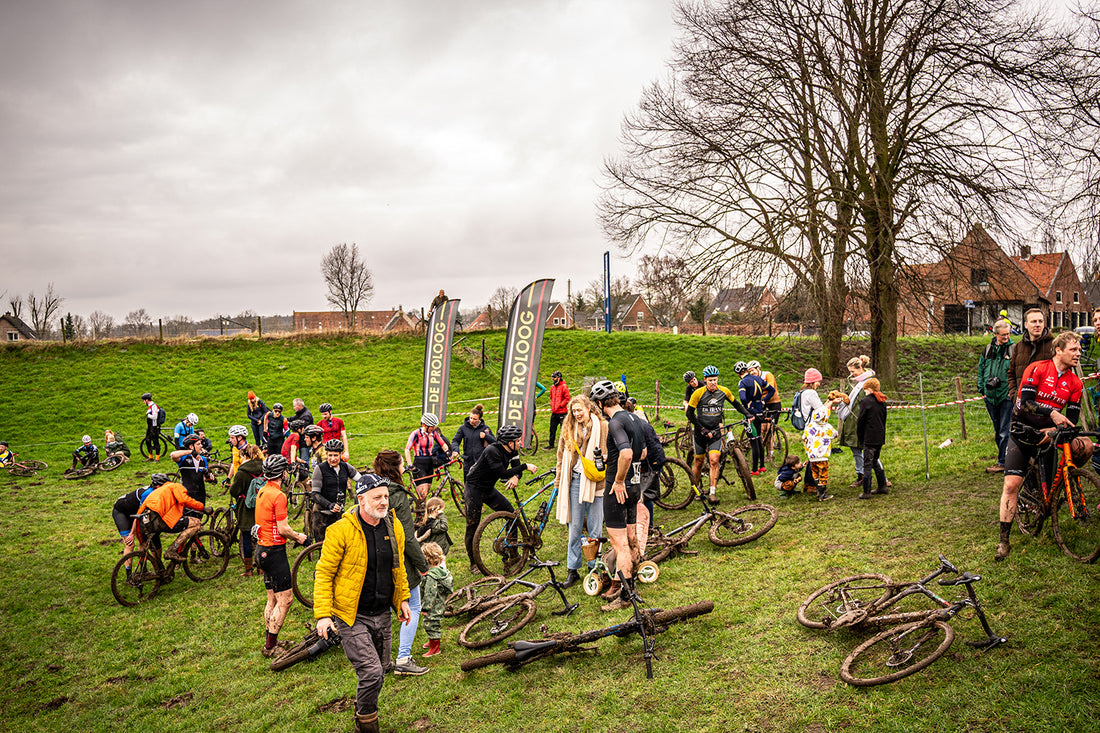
(252, 467)
(993, 385)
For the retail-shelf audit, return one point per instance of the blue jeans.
(577, 514)
(1001, 415)
(408, 631)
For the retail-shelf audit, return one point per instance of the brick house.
(1056, 277)
(12, 328)
(558, 316)
(391, 321)
(751, 300)
(632, 314)
(480, 323)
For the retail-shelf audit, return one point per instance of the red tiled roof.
(1041, 269)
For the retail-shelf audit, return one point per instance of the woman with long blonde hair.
(580, 501)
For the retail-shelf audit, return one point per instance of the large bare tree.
(500, 305)
(42, 309)
(100, 324)
(349, 281)
(139, 321)
(663, 282)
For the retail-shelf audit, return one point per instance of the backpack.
(161, 416)
(798, 421)
(253, 487)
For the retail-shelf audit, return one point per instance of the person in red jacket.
(559, 406)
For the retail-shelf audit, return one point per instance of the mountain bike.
(27, 467)
(676, 481)
(155, 448)
(647, 623)
(1067, 500)
(532, 448)
(773, 438)
(447, 484)
(498, 616)
(505, 541)
(731, 462)
(678, 437)
(312, 646)
(922, 637)
(207, 554)
(110, 463)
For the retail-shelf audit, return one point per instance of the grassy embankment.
(189, 660)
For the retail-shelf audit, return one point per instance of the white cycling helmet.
(86, 439)
(192, 418)
(238, 431)
(429, 419)
(754, 364)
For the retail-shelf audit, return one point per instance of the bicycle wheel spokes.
(1030, 509)
(207, 556)
(502, 545)
(1076, 521)
(843, 599)
(458, 495)
(777, 446)
(743, 525)
(897, 653)
(676, 480)
(301, 575)
(497, 623)
(468, 596)
(141, 583)
(35, 465)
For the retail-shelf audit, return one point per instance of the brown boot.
(247, 567)
(366, 723)
(613, 592)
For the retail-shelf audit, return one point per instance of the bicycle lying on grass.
(312, 646)
(1069, 500)
(109, 463)
(206, 553)
(922, 637)
(645, 622)
(496, 615)
(26, 468)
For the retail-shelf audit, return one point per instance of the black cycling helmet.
(297, 424)
(314, 430)
(158, 479)
(277, 406)
(192, 439)
(688, 376)
(556, 374)
(325, 407)
(275, 466)
(508, 433)
(147, 396)
(604, 390)
(334, 444)
(4, 443)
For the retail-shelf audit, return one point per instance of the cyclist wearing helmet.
(774, 405)
(421, 444)
(87, 454)
(559, 405)
(625, 453)
(194, 468)
(329, 487)
(251, 468)
(7, 458)
(163, 511)
(312, 450)
(471, 438)
(237, 440)
(293, 441)
(692, 384)
(184, 427)
(333, 427)
(154, 419)
(705, 411)
(754, 393)
(498, 462)
(126, 508)
(274, 529)
(276, 428)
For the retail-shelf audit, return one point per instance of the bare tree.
(100, 324)
(594, 296)
(43, 309)
(500, 306)
(348, 280)
(663, 282)
(15, 305)
(138, 321)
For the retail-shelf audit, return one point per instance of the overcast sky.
(199, 158)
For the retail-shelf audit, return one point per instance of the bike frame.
(520, 505)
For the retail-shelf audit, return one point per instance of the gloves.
(305, 542)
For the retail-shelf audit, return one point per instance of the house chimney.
(1025, 251)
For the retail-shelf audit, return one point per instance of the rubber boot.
(366, 723)
(613, 592)
(571, 579)
(433, 648)
(247, 567)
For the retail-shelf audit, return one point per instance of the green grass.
(189, 660)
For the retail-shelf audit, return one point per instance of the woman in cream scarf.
(580, 498)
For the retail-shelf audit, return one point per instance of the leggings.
(756, 442)
(870, 458)
(475, 498)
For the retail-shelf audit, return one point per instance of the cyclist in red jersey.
(418, 452)
(1050, 396)
(333, 428)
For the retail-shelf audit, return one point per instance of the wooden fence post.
(160, 329)
(259, 327)
(482, 353)
(962, 412)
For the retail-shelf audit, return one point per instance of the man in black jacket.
(498, 462)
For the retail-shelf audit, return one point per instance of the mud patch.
(177, 702)
(54, 704)
(54, 667)
(339, 705)
(422, 724)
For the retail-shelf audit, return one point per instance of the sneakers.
(173, 554)
(996, 468)
(786, 494)
(616, 605)
(713, 497)
(1003, 548)
(823, 494)
(406, 667)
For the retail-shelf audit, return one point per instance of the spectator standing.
(276, 428)
(437, 585)
(301, 412)
(811, 403)
(580, 502)
(1034, 345)
(871, 425)
(859, 371)
(471, 438)
(251, 468)
(559, 406)
(817, 438)
(993, 385)
(435, 527)
(255, 413)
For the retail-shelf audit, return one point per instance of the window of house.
(1058, 296)
(13, 335)
(1076, 298)
(555, 321)
(979, 275)
(639, 316)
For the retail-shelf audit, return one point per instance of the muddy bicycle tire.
(82, 472)
(776, 449)
(110, 463)
(458, 496)
(207, 556)
(496, 623)
(154, 449)
(743, 525)
(130, 592)
(502, 657)
(298, 653)
(1031, 512)
(741, 467)
(21, 471)
(1079, 537)
(812, 621)
(877, 653)
(680, 613)
(489, 540)
(471, 596)
(301, 575)
(533, 449)
(675, 476)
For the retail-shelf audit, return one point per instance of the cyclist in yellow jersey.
(238, 438)
(705, 411)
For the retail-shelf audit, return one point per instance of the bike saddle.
(967, 577)
(526, 649)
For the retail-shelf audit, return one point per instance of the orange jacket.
(168, 501)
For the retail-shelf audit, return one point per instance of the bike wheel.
(897, 653)
(533, 448)
(743, 525)
(1078, 532)
(647, 572)
(458, 495)
(35, 465)
(850, 594)
(144, 581)
(741, 470)
(593, 584)
(675, 478)
(155, 448)
(671, 615)
(1031, 511)
(21, 470)
(777, 446)
(502, 657)
(469, 596)
(218, 468)
(207, 556)
(301, 575)
(502, 544)
(82, 472)
(685, 446)
(297, 653)
(111, 463)
(497, 623)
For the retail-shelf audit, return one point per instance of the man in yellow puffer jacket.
(359, 578)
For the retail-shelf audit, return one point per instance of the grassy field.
(190, 661)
